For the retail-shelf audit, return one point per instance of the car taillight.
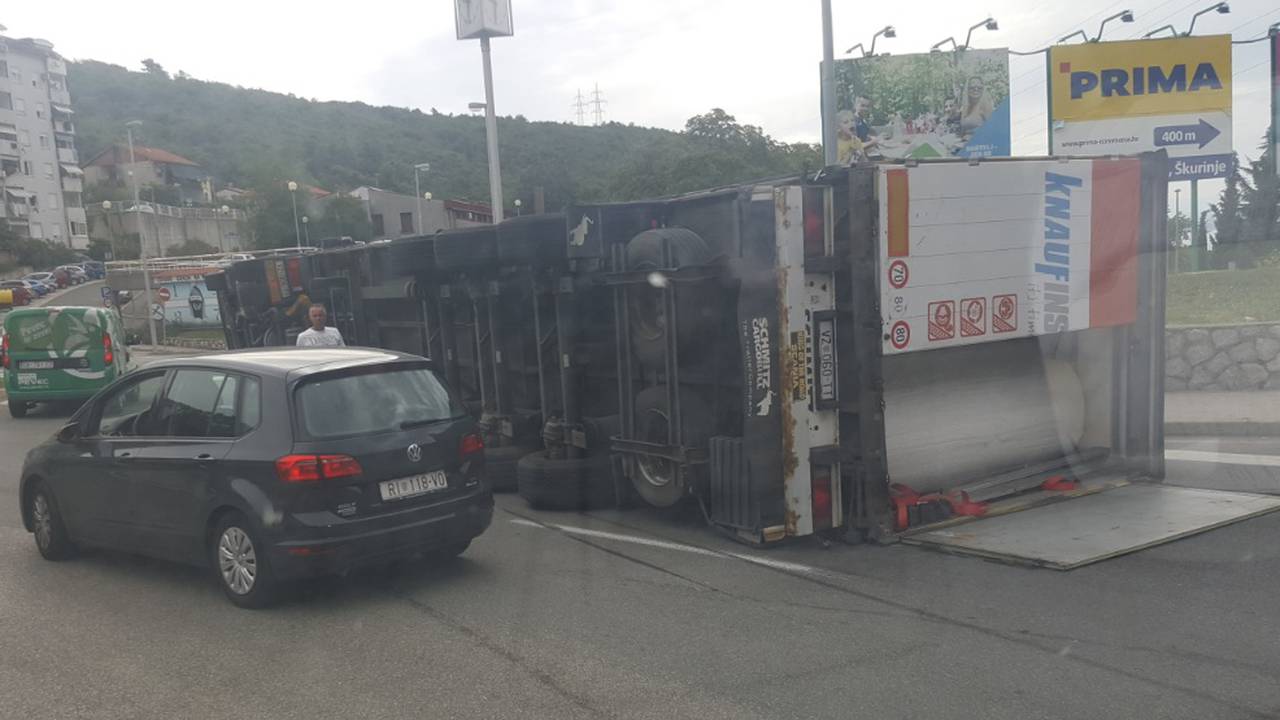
(108, 356)
(471, 444)
(310, 468)
(820, 489)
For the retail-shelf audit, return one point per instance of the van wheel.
(17, 408)
(240, 563)
(50, 532)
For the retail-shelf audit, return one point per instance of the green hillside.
(255, 138)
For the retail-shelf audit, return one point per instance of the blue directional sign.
(1200, 134)
(1201, 167)
(106, 292)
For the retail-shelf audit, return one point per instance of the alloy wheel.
(237, 560)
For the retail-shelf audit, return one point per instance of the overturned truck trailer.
(861, 354)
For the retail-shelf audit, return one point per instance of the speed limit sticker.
(900, 334)
(898, 274)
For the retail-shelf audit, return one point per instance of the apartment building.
(394, 215)
(40, 177)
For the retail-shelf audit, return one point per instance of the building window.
(48, 171)
(36, 230)
(16, 74)
(44, 141)
(6, 101)
(20, 106)
(72, 199)
(378, 229)
(406, 223)
(78, 228)
(53, 202)
(26, 167)
(40, 110)
(57, 230)
(26, 137)
(4, 68)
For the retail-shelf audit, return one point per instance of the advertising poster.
(190, 303)
(926, 105)
(1122, 98)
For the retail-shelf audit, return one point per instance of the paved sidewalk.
(1254, 413)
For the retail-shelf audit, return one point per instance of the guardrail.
(191, 262)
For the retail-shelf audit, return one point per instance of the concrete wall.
(174, 226)
(1223, 357)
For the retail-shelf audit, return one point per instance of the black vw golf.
(265, 465)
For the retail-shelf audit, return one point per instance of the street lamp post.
(417, 191)
(297, 234)
(518, 204)
(491, 133)
(306, 230)
(829, 153)
(225, 210)
(142, 235)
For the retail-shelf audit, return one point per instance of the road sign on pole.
(1120, 98)
(105, 291)
(164, 294)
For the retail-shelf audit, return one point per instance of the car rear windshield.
(374, 402)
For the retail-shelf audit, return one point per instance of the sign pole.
(1048, 108)
(828, 88)
(1196, 256)
(491, 134)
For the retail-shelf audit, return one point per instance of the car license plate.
(408, 487)
(35, 365)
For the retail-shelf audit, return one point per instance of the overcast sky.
(657, 62)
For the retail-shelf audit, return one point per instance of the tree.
(345, 216)
(1260, 204)
(154, 68)
(271, 218)
(1178, 230)
(193, 246)
(1228, 243)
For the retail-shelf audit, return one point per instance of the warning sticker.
(942, 320)
(898, 274)
(1004, 313)
(973, 317)
(900, 334)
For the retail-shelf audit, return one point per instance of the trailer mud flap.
(1094, 527)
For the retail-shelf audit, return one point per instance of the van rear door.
(56, 351)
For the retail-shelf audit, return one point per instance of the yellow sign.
(1099, 81)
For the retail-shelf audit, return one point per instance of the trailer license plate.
(35, 365)
(408, 487)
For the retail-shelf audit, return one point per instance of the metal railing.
(201, 262)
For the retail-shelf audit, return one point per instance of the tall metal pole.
(297, 233)
(1197, 256)
(142, 237)
(417, 192)
(491, 134)
(828, 88)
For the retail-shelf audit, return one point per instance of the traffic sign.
(157, 311)
(105, 291)
(164, 294)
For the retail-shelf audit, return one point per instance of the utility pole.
(491, 134)
(828, 88)
(580, 108)
(142, 233)
(598, 102)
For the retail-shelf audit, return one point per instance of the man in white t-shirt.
(318, 335)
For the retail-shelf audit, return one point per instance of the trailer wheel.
(695, 303)
(658, 480)
(565, 484)
(500, 465)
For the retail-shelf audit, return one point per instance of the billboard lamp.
(1220, 8)
(1125, 16)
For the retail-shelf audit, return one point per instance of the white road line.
(679, 547)
(1210, 456)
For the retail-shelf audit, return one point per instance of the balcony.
(55, 65)
(72, 184)
(67, 155)
(76, 215)
(62, 97)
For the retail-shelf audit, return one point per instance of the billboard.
(1121, 98)
(482, 18)
(981, 253)
(926, 105)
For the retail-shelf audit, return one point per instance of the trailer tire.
(500, 466)
(657, 481)
(695, 303)
(566, 484)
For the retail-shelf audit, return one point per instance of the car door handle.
(124, 455)
(203, 457)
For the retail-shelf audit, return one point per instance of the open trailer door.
(1023, 360)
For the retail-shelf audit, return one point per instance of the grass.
(1223, 297)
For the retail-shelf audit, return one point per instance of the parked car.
(60, 353)
(94, 269)
(75, 273)
(47, 278)
(37, 288)
(22, 292)
(291, 462)
(61, 277)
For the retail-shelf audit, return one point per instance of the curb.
(1233, 429)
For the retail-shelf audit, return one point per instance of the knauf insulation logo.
(1055, 271)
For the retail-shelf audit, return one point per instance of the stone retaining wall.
(1223, 357)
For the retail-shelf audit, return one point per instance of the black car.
(266, 465)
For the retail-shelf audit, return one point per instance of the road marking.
(1223, 458)
(679, 547)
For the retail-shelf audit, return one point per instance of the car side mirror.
(69, 432)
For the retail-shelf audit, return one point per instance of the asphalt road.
(646, 614)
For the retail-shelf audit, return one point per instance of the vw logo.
(414, 452)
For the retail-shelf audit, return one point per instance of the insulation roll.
(956, 415)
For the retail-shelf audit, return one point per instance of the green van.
(60, 353)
